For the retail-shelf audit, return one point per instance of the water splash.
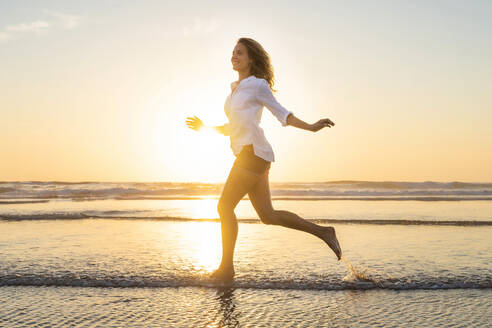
(366, 275)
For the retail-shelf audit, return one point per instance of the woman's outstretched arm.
(196, 124)
(298, 123)
(222, 129)
(265, 97)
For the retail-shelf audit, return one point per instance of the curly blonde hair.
(261, 66)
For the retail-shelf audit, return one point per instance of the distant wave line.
(44, 199)
(6, 202)
(367, 198)
(77, 216)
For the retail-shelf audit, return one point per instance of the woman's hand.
(194, 123)
(324, 122)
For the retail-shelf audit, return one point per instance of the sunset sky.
(100, 90)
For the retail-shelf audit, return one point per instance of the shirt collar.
(245, 79)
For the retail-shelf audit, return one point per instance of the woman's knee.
(269, 217)
(224, 209)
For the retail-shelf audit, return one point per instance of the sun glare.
(206, 240)
(204, 208)
(187, 155)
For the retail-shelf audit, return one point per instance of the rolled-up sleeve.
(265, 97)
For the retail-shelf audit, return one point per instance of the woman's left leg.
(261, 200)
(235, 188)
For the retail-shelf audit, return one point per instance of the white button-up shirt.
(244, 107)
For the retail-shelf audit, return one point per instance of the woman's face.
(240, 60)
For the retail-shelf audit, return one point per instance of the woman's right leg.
(238, 183)
(261, 200)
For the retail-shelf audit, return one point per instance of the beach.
(107, 262)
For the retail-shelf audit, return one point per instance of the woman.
(249, 174)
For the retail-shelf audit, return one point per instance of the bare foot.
(223, 274)
(331, 239)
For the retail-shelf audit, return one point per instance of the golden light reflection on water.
(205, 240)
(204, 209)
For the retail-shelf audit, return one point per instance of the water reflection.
(200, 243)
(203, 209)
(227, 315)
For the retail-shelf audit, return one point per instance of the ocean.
(100, 254)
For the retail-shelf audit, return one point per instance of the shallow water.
(118, 253)
(225, 307)
(144, 272)
(348, 211)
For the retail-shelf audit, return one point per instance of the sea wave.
(201, 280)
(394, 190)
(120, 215)
(298, 198)
(9, 202)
